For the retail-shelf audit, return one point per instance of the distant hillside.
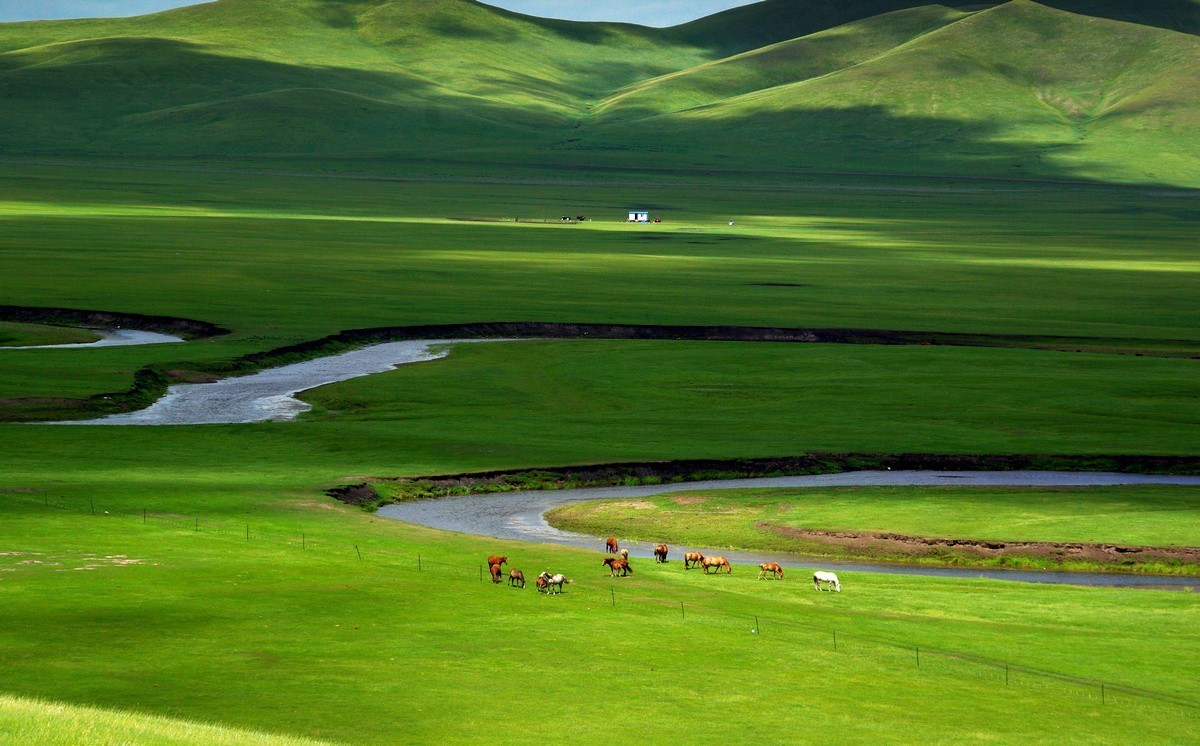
(1091, 89)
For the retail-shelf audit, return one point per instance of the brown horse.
(770, 567)
(660, 553)
(495, 570)
(615, 566)
(494, 560)
(610, 545)
(543, 583)
(692, 559)
(718, 562)
(516, 578)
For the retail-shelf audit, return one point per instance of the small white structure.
(639, 216)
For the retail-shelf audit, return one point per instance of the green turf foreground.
(760, 520)
(277, 611)
(32, 721)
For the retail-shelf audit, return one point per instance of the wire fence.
(768, 626)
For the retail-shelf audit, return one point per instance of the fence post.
(682, 611)
(418, 562)
(918, 649)
(144, 515)
(303, 541)
(93, 504)
(358, 551)
(835, 639)
(756, 624)
(614, 596)
(197, 523)
(481, 573)
(247, 532)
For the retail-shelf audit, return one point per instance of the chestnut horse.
(615, 566)
(542, 582)
(692, 559)
(494, 560)
(770, 567)
(610, 545)
(718, 562)
(515, 578)
(495, 570)
(660, 553)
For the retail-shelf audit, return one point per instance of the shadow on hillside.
(170, 97)
(864, 139)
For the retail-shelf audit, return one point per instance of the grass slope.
(758, 520)
(385, 83)
(294, 635)
(1090, 99)
(32, 721)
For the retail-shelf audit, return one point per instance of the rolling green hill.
(1087, 89)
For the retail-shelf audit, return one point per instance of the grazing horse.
(615, 566)
(516, 578)
(495, 570)
(610, 545)
(555, 580)
(717, 562)
(821, 579)
(692, 559)
(770, 567)
(542, 582)
(660, 553)
(493, 560)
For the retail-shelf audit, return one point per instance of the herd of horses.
(618, 566)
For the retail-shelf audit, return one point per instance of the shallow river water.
(520, 516)
(270, 394)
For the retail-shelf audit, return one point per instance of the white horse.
(555, 580)
(828, 579)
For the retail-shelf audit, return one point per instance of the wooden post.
(756, 624)
(682, 611)
(835, 639)
(358, 551)
(418, 562)
(918, 657)
(614, 597)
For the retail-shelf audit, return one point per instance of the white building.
(639, 216)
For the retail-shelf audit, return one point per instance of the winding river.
(520, 516)
(111, 338)
(270, 394)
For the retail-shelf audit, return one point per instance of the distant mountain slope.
(783, 63)
(1011, 89)
(1018, 87)
(751, 26)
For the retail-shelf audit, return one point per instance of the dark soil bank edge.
(373, 494)
(151, 382)
(186, 328)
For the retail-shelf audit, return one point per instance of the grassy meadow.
(158, 604)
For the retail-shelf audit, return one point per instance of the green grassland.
(753, 519)
(291, 168)
(290, 632)
(36, 721)
(244, 633)
(897, 86)
(15, 334)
